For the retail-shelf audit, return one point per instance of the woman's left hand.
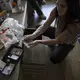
(34, 43)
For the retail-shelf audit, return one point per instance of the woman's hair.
(73, 8)
(69, 15)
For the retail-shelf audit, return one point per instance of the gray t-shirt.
(71, 31)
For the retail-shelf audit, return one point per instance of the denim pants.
(60, 51)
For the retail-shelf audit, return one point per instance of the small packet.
(26, 44)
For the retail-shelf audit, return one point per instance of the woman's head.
(61, 7)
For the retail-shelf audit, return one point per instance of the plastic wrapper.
(11, 32)
(7, 37)
(15, 27)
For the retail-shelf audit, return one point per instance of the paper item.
(16, 51)
(14, 57)
(45, 37)
(2, 65)
(26, 44)
(8, 69)
(5, 71)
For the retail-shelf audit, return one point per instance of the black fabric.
(35, 6)
(74, 8)
(56, 12)
(50, 32)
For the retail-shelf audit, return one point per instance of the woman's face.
(61, 7)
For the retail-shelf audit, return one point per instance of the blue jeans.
(60, 52)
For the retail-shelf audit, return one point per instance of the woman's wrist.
(41, 41)
(33, 36)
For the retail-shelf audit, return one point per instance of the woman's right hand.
(28, 38)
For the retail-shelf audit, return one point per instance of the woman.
(66, 33)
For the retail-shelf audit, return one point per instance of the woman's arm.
(64, 36)
(45, 26)
(58, 40)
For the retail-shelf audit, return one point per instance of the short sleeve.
(56, 12)
(70, 33)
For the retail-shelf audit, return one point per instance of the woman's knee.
(55, 60)
(60, 53)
